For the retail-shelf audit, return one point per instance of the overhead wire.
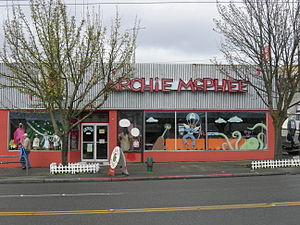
(128, 2)
(22, 3)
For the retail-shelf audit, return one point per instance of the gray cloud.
(184, 30)
(171, 32)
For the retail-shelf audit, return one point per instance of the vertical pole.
(26, 164)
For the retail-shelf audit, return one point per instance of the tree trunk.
(278, 143)
(65, 149)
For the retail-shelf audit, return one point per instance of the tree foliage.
(66, 66)
(261, 43)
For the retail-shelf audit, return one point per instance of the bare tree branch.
(264, 35)
(69, 67)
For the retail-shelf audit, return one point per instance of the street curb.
(118, 179)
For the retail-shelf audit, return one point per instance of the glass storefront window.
(130, 134)
(205, 131)
(160, 127)
(236, 131)
(39, 128)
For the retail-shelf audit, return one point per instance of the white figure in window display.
(46, 141)
(36, 142)
(56, 141)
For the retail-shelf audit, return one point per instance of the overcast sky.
(172, 32)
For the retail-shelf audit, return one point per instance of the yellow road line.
(147, 210)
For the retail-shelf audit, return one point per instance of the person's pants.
(122, 163)
(188, 136)
(23, 161)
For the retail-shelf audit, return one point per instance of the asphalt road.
(244, 200)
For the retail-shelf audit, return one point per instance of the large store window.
(39, 129)
(160, 126)
(130, 131)
(236, 131)
(205, 131)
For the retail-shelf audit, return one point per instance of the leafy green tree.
(261, 43)
(66, 66)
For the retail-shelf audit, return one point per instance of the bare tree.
(66, 66)
(261, 43)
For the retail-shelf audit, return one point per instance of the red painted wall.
(4, 134)
(112, 131)
(133, 157)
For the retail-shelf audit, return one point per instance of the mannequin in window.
(19, 134)
(36, 142)
(46, 141)
(56, 141)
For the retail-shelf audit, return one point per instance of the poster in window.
(89, 148)
(101, 131)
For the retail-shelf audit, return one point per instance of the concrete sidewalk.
(138, 171)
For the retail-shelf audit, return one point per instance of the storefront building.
(172, 113)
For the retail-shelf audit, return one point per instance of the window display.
(236, 131)
(130, 125)
(160, 127)
(205, 131)
(39, 129)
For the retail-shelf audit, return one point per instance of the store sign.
(193, 85)
(88, 130)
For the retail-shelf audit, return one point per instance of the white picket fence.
(74, 168)
(275, 163)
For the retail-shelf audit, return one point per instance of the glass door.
(94, 144)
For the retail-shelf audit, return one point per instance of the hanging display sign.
(115, 157)
(193, 85)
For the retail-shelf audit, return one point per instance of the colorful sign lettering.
(167, 85)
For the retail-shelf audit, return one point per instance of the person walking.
(125, 142)
(25, 151)
(122, 162)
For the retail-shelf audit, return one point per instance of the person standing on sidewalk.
(123, 163)
(125, 141)
(25, 151)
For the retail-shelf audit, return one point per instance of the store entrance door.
(94, 142)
